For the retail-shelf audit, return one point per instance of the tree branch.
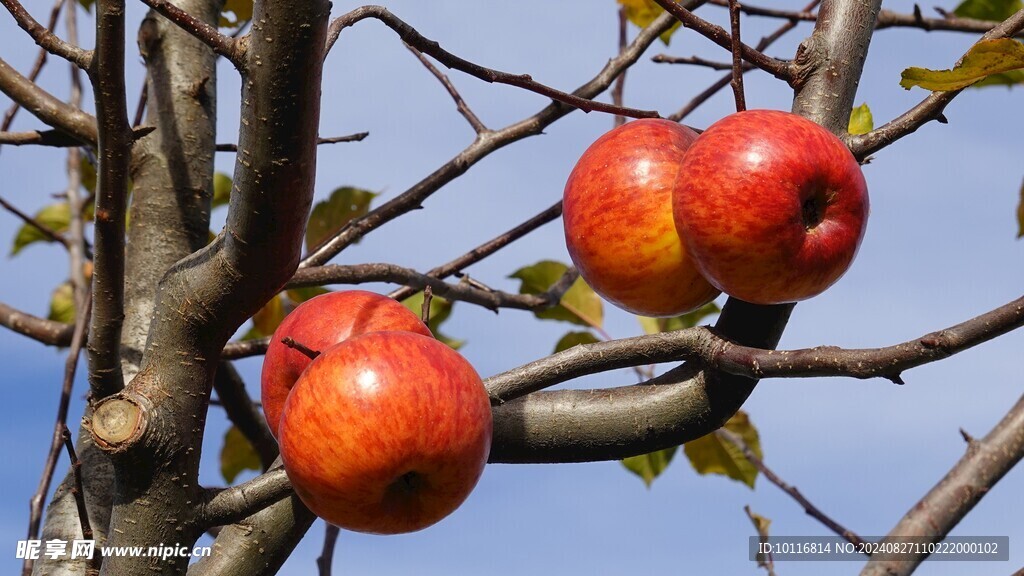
(410, 36)
(357, 137)
(114, 150)
(718, 35)
(985, 463)
(37, 66)
(931, 108)
(52, 138)
(243, 413)
(460, 104)
(737, 56)
(39, 329)
(45, 37)
(230, 505)
(46, 107)
(42, 228)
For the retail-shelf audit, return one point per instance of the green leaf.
(579, 305)
(62, 304)
(329, 216)
(87, 4)
(240, 10)
(221, 189)
(861, 121)
(236, 455)
(688, 320)
(995, 10)
(575, 339)
(643, 12)
(713, 455)
(1020, 214)
(300, 295)
(650, 466)
(440, 310)
(56, 217)
(984, 59)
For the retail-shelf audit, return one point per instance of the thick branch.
(45, 38)
(718, 35)
(931, 108)
(54, 138)
(114, 150)
(233, 504)
(985, 463)
(410, 36)
(712, 351)
(39, 329)
(46, 107)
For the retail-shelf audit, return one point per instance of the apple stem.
(291, 343)
(428, 295)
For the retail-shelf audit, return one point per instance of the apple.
(771, 206)
(319, 323)
(617, 212)
(386, 433)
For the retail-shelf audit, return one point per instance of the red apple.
(318, 324)
(771, 206)
(617, 211)
(386, 433)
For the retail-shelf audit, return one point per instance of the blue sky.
(939, 249)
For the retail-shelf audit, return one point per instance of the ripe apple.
(387, 432)
(772, 206)
(617, 211)
(319, 323)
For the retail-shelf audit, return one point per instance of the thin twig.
(718, 35)
(70, 367)
(410, 36)
(620, 83)
(326, 559)
(724, 81)
(332, 140)
(460, 104)
(811, 509)
(737, 56)
(486, 249)
(78, 491)
(140, 107)
(696, 61)
(45, 38)
(306, 350)
(37, 67)
(29, 220)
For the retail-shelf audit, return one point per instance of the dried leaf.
(984, 59)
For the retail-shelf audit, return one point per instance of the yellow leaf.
(240, 9)
(861, 121)
(712, 454)
(236, 455)
(984, 59)
(268, 318)
(643, 12)
(650, 466)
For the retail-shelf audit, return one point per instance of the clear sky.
(939, 249)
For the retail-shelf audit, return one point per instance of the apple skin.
(772, 206)
(319, 323)
(617, 212)
(386, 433)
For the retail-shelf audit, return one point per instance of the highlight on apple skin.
(318, 324)
(771, 206)
(386, 433)
(617, 212)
